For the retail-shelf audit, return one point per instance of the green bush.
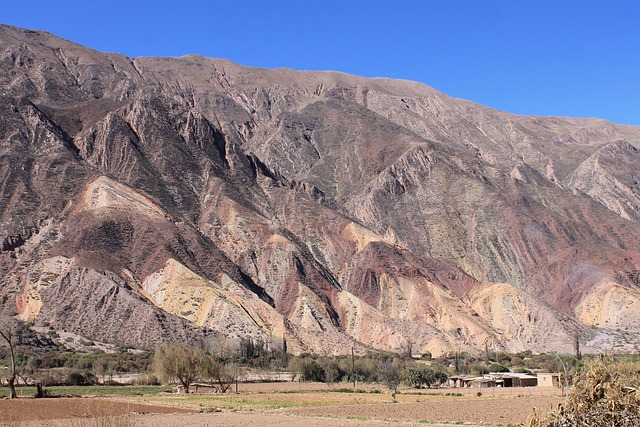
(497, 367)
(76, 377)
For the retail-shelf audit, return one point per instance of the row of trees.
(220, 362)
(363, 369)
(186, 365)
(526, 361)
(189, 364)
(71, 368)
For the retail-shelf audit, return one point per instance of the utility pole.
(353, 369)
(236, 374)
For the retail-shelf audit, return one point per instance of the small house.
(549, 379)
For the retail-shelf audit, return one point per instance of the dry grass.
(601, 396)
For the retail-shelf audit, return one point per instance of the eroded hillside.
(161, 199)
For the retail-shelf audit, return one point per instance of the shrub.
(306, 368)
(145, 379)
(418, 376)
(52, 377)
(497, 367)
(80, 378)
(601, 396)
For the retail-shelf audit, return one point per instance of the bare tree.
(390, 374)
(181, 362)
(223, 376)
(9, 329)
(331, 373)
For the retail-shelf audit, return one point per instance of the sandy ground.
(432, 411)
(227, 420)
(485, 410)
(306, 406)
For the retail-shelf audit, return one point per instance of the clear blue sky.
(544, 57)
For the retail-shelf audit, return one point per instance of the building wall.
(548, 380)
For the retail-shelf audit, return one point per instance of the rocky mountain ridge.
(159, 199)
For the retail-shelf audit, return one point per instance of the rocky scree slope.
(145, 200)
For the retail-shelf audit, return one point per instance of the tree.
(497, 367)
(408, 350)
(440, 377)
(576, 345)
(418, 376)
(390, 374)
(182, 362)
(284, 355)
(101, 366)
(331, 371)
(414, 377)
(306, 369)
(26, 366)
(10, 334)
(222, 375)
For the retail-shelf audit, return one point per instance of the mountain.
(145, 200)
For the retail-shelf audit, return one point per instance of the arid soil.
(309, 408)
(28, 409)
(445, 409)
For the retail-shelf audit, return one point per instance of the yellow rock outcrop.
(610, 305)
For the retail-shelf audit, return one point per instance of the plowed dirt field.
(278, 407)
